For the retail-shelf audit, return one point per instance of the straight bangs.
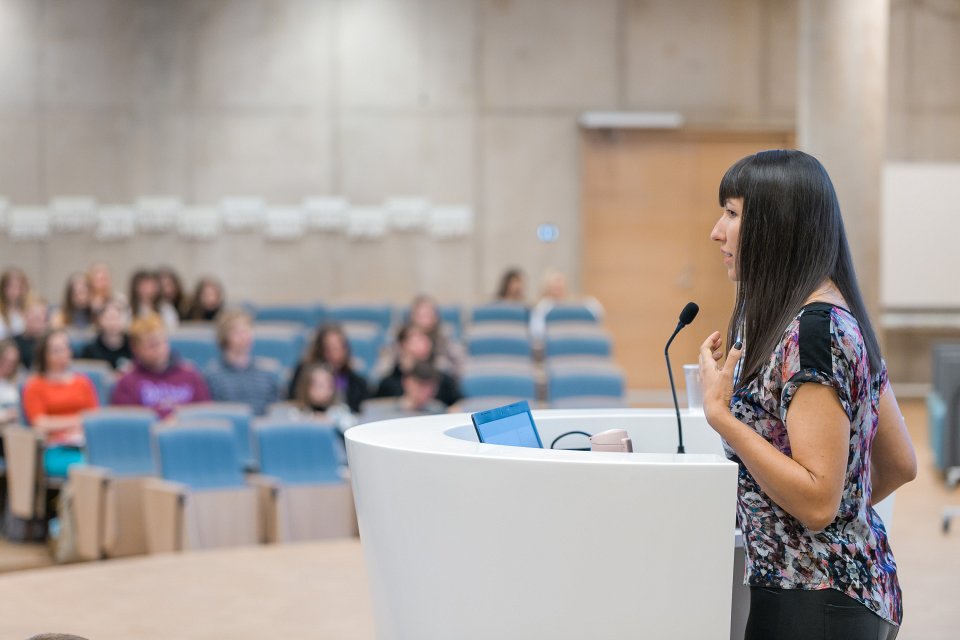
(732, 185)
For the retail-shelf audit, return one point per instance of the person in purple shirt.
(157, 382)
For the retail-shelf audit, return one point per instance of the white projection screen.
(920, 236)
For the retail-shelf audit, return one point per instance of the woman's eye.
(731, 213)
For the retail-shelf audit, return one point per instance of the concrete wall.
(460, 101)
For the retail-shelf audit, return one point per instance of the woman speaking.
(803, 405)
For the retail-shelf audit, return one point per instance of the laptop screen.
(511, 425)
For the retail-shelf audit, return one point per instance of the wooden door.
(649, 203)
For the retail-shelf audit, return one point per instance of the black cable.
(570, 433)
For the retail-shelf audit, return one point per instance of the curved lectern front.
(470, 540)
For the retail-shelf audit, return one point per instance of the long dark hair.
(315, 354)
(791, 239)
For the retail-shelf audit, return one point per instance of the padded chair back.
(500, 312)
(100, 374)
(513, 385)
(120, 440)
(937, 422)
(284, 347)
(571, 313)
(578, 345)
(299, 453)
(199, 457)
(377, 314)
(365, 345)
(199, 350)
(608, 384)
(306, 315)
(238, 415)
(500, 345)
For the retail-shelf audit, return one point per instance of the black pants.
(796, 614)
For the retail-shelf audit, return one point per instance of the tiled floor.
(251, 593)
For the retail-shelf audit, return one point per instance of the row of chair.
(150, 487)
(385, 315)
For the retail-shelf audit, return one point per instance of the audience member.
(14, 289)
(171, 290)
(112, 344)
(331, 348)
(9, 391)
(420, 386)
(236, 377)
(156, 381)
(316, 390)
(448, 354)
(53, 400)
(34, 328)
(74, 312)
(208, 300)
(413, 346)
(145, 299)
(555, 292)
(101, 286)
(512, 288)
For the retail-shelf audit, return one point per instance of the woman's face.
(334, 350)
(168, 286)
(80, 293)
(147, 289)
(114, 320)
(9, 362)
(100, 279)
(727, 233)
(321, 390)
(515, 288)
(58, 353)
(15, 288)
(425, 316)
(210, 297)
(418, 345)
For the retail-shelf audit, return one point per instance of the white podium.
(468, 540)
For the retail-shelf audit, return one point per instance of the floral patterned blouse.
(823, 345)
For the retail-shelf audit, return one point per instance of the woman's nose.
(716, 234)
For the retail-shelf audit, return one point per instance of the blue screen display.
(513, 430)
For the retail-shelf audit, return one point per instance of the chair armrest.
(89, 486)
(163, 506)
(23, 449)
(268, 494)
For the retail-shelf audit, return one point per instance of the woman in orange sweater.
(53, 400)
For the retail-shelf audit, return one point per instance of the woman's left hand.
(717, 378)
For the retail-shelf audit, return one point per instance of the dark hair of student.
(43, 345)
(505, 280)
(139, 276)
(316, 354)
(791, 239)
(178, 301)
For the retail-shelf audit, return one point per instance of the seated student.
(112, 343)
(74, 312)
(9, 391)
(156, 381)
(171, 290)
(448, 354)
(35, 326)
(413, 346)
(316, 391)
(555, 292)
(512, 288)
(14, 290)
(419, 397)
(208, 300)
(237, 377)
(100, 282)
(145, 299)
(53, 400)
(331, 348)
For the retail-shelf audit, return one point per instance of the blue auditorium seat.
(307, 315)
(500, 312)
(512, 385)
(284, 347)
(571, 313)
(197, 349)
(297, 453)
(119, 439)
(592, 383)
(199, 457)
(577, 345)
(500, 345)
(239, 416)
(377, 314)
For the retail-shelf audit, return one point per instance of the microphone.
(686, 317)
